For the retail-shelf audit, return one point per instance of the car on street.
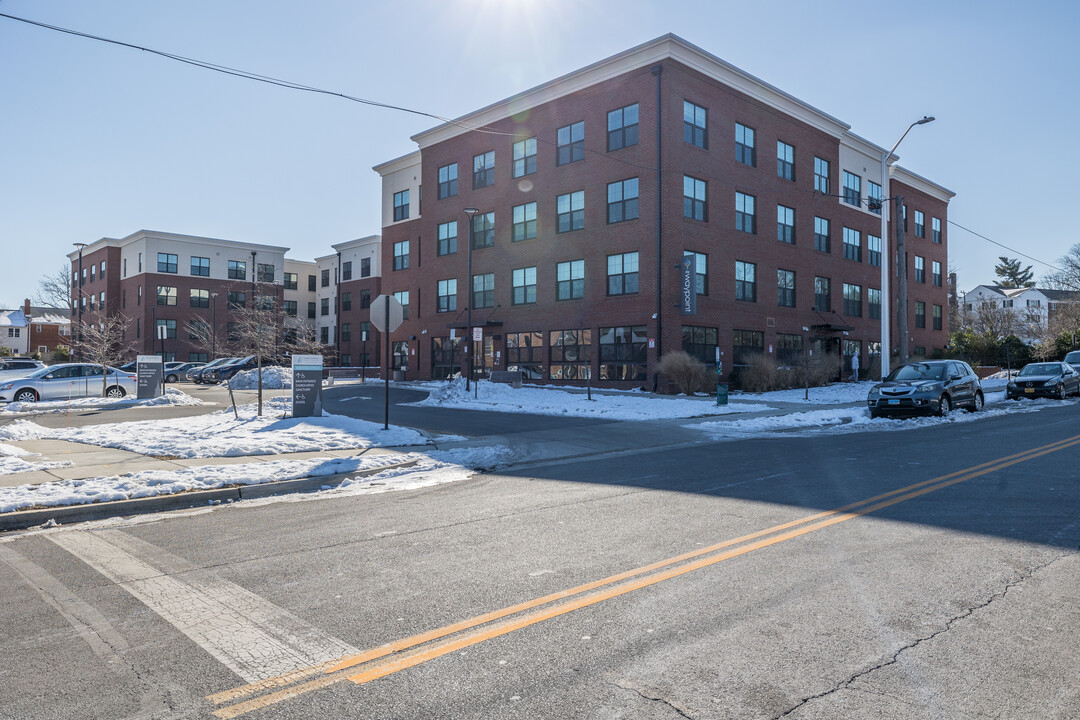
(927, 387)
(1073, 358)
(69, 380)
(1044, 379)
(176, 370)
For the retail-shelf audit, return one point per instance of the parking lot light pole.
(886, 312)
(79, 284)
(213, 326)
(472, 213)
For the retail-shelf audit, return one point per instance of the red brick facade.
(655, 304)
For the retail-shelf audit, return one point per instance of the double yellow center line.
(408, 652)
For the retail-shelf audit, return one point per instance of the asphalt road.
(950, 595)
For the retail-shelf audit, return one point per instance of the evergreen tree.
(1011, 275)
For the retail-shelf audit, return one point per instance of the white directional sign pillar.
(387, 314)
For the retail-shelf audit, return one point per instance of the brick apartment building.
(592, 188)
(164, 279)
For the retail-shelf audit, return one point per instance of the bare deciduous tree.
(100, 340)
(54, 289)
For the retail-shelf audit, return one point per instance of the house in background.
(14, 331)
(50, 330)
(1032, 309)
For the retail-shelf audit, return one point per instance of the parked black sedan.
(931, 387)
(1045, 379)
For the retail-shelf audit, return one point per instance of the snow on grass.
(498, 397)
(273, 378)
(835, 394)
(403, 471)
(14, 460)
(172, 397)
(219, 434)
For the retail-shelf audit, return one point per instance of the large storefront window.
(525, 352)
(569, 354)
(700, 343)
(623, 353)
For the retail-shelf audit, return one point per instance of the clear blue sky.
(99, 140)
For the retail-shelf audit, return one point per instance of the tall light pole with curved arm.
(886, 300)
(79, 283)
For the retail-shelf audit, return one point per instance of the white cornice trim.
(359, 242)
(650, 53)
(400, 163)
(920, 183)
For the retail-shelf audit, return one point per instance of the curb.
(23, 519)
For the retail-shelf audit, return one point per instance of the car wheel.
(945, 407)
(977, 403)
(171, 378)
(26, 396)
(115, 392)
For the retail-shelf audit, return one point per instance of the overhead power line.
(1012, 250)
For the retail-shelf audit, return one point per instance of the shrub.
(686, 372)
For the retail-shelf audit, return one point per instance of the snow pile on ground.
(219, 434)
(172, 397)
(835, 394)
(549, 401)
(13, 460)
(403, 471)
(273, 378)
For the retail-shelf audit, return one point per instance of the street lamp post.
(886, 300)
(79, 284)
(213, 326)
(472, 213)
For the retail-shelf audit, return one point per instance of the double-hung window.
(821, 175)
(822, 294)
(852, 245)
(571, 143)
(525, 157)
(785, 288)
(622, 127)
(745, 281)
(622, 274)
(936, 273)
(447, 295)
(571, 211)
(920, 269)
(238, 270)
(785, 160)
(920, 224)
(447, 238)
(401, 205)
(166, 295)
(873, 250)
(166, 263)
(570, 280)
(483, 290)
(873, 197)
(448, 181)
(695, 125)
(852, 300)
(200, 266)
(935, 225)
(401, 255)
(199, 298)
(745, 219)
(483, 170)
(745, 152)
(524, 222)
(694, 199)
(483, 230)
(622, 200)
(701, 271)
(852, 189)
(785, 224)
(821, 235)
(524, 286)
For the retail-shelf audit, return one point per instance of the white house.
(14, 331)
(1031, 306)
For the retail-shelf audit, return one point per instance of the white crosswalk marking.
(252, 637)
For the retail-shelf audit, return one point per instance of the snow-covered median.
(404, 471)
(551, 401)
(219, 434)
(172, 397)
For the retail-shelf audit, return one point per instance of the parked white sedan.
(70, 380)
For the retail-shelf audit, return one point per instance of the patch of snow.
(273, 378)
(14, 460)
(498, 397)
(219, 434)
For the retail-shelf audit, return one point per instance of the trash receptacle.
(721, 393)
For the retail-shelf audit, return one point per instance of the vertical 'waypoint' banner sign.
(688, 288)
(307, 385)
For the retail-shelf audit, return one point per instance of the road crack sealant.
(949, 624)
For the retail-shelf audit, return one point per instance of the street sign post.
(387, 314)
